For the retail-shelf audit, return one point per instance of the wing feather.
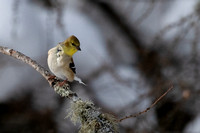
(72, 66)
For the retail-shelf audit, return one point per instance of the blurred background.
(132, 51)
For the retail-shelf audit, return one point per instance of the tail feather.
(79, 80)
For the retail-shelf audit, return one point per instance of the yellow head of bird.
(71, 45)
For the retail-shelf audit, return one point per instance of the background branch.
(147, 109)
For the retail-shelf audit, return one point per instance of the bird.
(60, 60)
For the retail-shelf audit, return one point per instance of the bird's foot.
(63, 82)
(51, 77)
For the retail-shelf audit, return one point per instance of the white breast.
(57, 63)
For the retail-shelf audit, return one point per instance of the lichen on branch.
(92, 120)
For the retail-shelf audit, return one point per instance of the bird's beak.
(78, 48)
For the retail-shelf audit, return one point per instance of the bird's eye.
(73, 44)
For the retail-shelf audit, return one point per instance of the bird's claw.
(63, 82)
(51, 77)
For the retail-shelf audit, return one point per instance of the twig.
(146, 13)
(171, 26)
(147, 109)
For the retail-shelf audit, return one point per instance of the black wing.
(72, 66)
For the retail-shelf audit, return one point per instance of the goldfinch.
(60, 59)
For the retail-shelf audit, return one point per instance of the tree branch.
(84, 112)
